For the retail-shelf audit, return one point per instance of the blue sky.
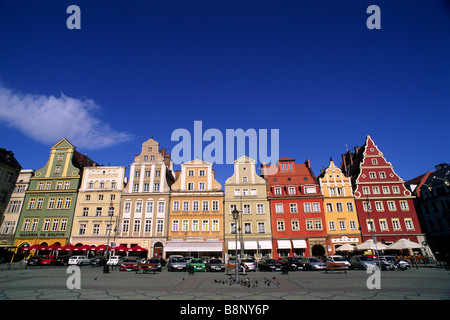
(311, 69)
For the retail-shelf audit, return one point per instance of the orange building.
(196, 212)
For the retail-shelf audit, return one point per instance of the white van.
(114, 260)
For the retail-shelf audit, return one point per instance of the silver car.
(362, 262)
(176, 262)
(313, 263)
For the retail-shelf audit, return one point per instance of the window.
(395, 189)
(148, 226)
(233, 228)
(244, 179)
(136, 187)
(215, 225)
(190, 173)
(137, 226)
(201, 186)
(59, 185)
(383, 224)
(280, 225)
(295, 225)
(246, 209)
(367, 206)
(98, 212)
(127, 207)
(247, 228)
(339, 207)
(82, 230)
(201, 173)
(382, 175)
(386, 190)
(374, 161)
(63, 225)
(279, 208)
(96, 229)
(48, 185)
(205, 225)
(160, 226)
(195, 206)
(329, 207)
(391, 205)
(409, 224)
(342, 225)
(365, 190)
(149, 206)
(253, 192)
(87, 197)
(185, 225)
(376, 190)
(291, 190)
(261, 227)
(176, 206)
(370, 225)
(352, 225)
(157, 173)
(215, 205)
(58, 169)
(318, 224)
(67, 203)
(309, 225)
(396, 224)
(35, 223)
(39, 204)
(349, 207)
(100, 197)
(340, 191)
(245, 192)
(404, 205)
(277, 191)
(293, 207)
(332, 225)
(161, 206)
(26, 225)
(156, 187)
(125, 225)
(137, 174)
(260, 208)
(31, 204)
(146, 187)
(237, 192)
(41, 186)
(147, 173)
(379, 206)
(185, 205)
(310, 190)
(175, 225)
(190, 186)
(51, 203)
(205, 205)
(372, 175)
(307, 207)
(46, 225)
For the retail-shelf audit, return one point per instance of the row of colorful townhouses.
(284, 211)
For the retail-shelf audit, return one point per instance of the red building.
(297, 214)
(384, 205)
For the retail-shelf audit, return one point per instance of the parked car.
(394, 261)
(362, 262)
(35, 261)
(338, 259)
(269, 264)
(98, 261)
(79, 260)
(313, 263)
(114, 261)
(215, 265)
(157, 261)
(250, 263)
(176, 262)
(197, 264)
(294, 263)
(129, 263)
(62, 260)
(48, 260)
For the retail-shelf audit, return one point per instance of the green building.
(49, 202)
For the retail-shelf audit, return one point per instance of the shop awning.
(250, 245)
(284, 244)
(265, 245)
(299, 244)
(190, 246)
(232, 245)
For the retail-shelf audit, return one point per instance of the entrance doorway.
(158, 249)
(318, 251)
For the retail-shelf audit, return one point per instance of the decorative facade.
(296, 204)
(196, 212)
(145, 200)
(9, 171)
(246, 192)
(49, 202)
(97, 210)
(385, 206)
(340, 209)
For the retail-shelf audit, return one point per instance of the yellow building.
(196, 212)
(340, 209)
(246, 192)
(98, 206)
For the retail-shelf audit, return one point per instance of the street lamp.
(235, 213)
(111, 213)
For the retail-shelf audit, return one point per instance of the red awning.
(51, 247)
(101, 247)
(33, 247)
(84, 247)
(120, 248)
(67, 247)
(137, 249)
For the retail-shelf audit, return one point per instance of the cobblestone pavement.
(50, 283)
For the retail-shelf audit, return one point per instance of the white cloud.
(48, 119)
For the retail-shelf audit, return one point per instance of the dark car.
(98, 261)
(62, 260)
(293, 263)
(215, 265)
(35, 261)
(269, 264)
(157, 261)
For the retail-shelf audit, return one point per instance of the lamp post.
(111, 213)
(235, 213)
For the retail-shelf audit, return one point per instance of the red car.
(49, 260)
(129, 264)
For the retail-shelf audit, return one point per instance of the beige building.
(196, 212)
(247, 192)
(145, 200)
(97, 209)
(12, 213)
